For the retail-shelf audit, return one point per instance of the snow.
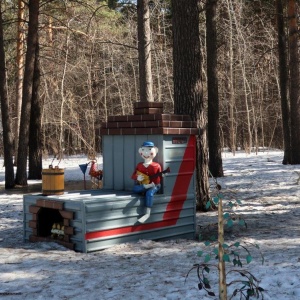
(270, 205)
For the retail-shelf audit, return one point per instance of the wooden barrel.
(53, 181)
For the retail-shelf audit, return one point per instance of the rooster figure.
(96, 175)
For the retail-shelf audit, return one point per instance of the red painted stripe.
(128, 229)
(183, 180)
(175, 204)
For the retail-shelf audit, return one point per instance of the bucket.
(53, 181)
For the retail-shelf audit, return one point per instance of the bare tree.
(32, 39)
(20, 71)
(144, 48)
(214, 143)
(101, 74)
(6, 121)
(35, 132)
(230, 132)
(294, 81)
(283, 81)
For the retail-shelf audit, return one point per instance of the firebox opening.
(46, 217)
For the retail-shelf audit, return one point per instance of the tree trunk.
(229, 82)
(214, 142)
(144, 49)
(294, 82)
(35, 133)
(6, 125)
(188, 91)
(20, 72)
(283, 82)
(21, 176)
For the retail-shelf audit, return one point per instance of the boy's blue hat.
(148, 144)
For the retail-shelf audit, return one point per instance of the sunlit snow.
(268, 190)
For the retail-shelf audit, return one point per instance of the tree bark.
(229, 83)
(20, 72)
(188, 91)
(214, 142)
(21, 176)
(283, 82)
(144, 49)
(294, 81)
(6, 125)
(35, 132)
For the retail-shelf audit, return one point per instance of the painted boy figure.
(147, 176)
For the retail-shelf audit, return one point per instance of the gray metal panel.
(82, 233)
(184, 231)
(110, 214)
(107, 145)
(173, 158)
(117, 168)
(184, 227)
(105, 210)
(120, 156)
(125, 148)
(129, 161)
(110, 210)
(158, 140)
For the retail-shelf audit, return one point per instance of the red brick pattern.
(152, 117)
(141, 131)
(50, 204)
(145, 104)
(66, 215)
(149, 119)
(149, 110)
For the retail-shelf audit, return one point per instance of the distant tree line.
(74, 63)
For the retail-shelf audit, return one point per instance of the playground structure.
(99, 218)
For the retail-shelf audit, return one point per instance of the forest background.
(88, 69)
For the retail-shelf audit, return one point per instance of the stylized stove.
(50, 221)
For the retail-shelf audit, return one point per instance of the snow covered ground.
(268, 190)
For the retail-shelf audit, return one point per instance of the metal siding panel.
(160, 155)
(107, 161)
(173, 157)
(101, 211)
(131, 157)
(167, 233)
(117, 168)
(129, 161)
(83, 224)
(115, 218)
